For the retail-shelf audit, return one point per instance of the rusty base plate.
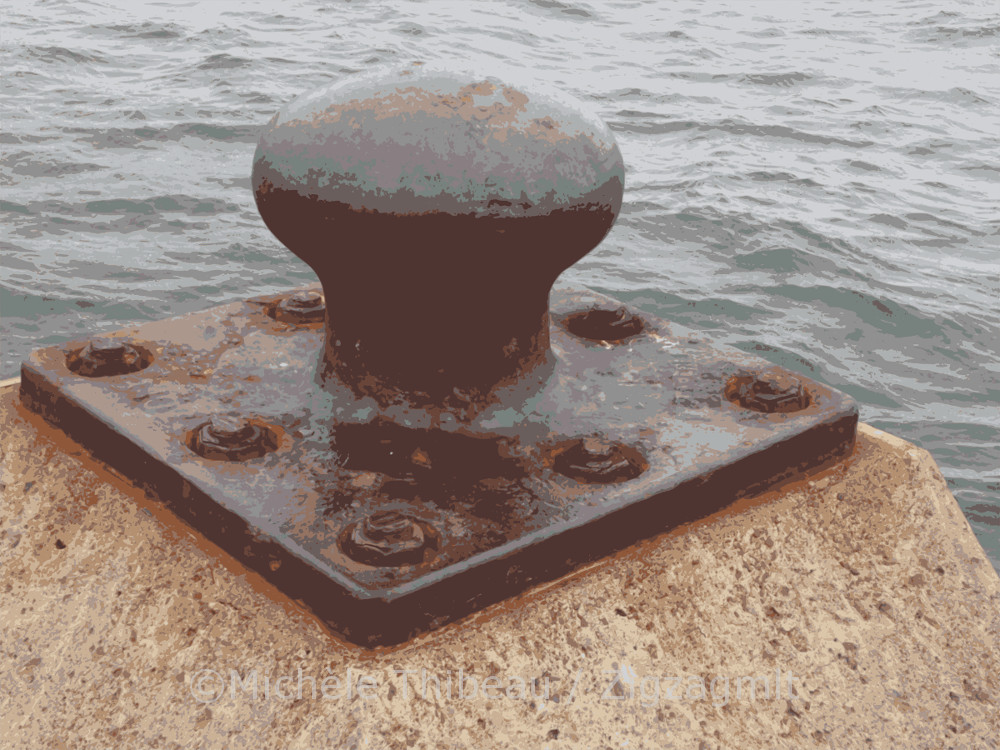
(615, 440)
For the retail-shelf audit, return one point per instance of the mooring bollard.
(437, 212)
(440, 428)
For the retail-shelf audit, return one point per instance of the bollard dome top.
(425, 140)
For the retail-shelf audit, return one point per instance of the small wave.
(410, 29)
(697, 76)
(555, 5)
(783, 131)
(145, 30)
(22, 162)
(141, 137)
(731, 235)
(779, 355)
(816, 31)
(118, 206)
(734, 127)
(984, 513)
(956, 33)
(955, 95)
(922, 217)
(637, 113)
(886, 315)
(227, 133)
(941, 15)
(780, 80)
(661, 128)
(222, 61)
(61, 55)
(769, 33)
(870, 397)
(930, 147)
(791, 179)
(775, 260)
(114, 215)
(15, 208)
(866, 166)
(9, 138)
(783, 80)
(888, 220)
(988, 172)
(959, 94)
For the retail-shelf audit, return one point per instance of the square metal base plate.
(503, 516)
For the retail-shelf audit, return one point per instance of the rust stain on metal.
(504, 512)
(438, 428)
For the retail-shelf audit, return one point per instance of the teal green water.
(816, 183)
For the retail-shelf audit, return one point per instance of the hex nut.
(771, 392)
(105, 356)
(597, 460)
(388, 538)
(600, 324)
(305, 306)
(227, 437)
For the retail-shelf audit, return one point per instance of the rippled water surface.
(818, 182)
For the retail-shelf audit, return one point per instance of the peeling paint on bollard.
(437, 210)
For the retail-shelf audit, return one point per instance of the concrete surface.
(862, 584)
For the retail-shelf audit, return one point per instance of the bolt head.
(596, 448)
(305, 306)
(387, 538)
(228, 437)
(105, 348)
(226, 428)
(597, 460)
(107, 356)
(306, 299)
(390, 526)
(597, 324)
(772, 393)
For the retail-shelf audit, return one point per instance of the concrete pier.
(851, 608)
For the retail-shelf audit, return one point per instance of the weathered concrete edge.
(916, 672)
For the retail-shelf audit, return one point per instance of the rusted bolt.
(302, 307)
(597, 324)
(597, 460)
(769, 392)
(387, 537)
(226, 437)
(437, 210)
(108, 356)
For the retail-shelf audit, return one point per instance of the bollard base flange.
(615, 441)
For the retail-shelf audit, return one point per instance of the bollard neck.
(433, 308)
(437, 211)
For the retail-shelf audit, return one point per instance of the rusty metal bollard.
(441, 427)
(437, 211)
